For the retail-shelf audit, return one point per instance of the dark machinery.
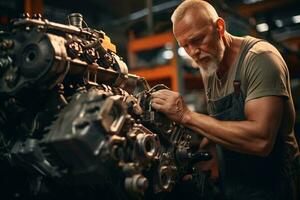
(74, 122)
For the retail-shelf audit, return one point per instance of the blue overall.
(245, 176)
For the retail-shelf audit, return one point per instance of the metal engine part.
(71, 116)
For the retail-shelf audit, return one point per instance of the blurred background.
(142, 32)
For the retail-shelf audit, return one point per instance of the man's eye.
(198, 39)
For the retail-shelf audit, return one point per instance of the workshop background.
(142, 32)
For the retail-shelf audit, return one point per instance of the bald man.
(251, 113)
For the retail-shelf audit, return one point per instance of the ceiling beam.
(248, 10)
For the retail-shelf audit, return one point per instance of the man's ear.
(220, 23)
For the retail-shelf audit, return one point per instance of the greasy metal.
(69, 108)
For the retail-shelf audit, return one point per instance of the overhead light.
(279, 23)
(296, 19)
(263, 27)
(168, 54)
(251, 1)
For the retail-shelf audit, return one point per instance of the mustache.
(202, 57)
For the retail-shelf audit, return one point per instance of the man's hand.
(171, 104)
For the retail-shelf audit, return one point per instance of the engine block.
(71, 116)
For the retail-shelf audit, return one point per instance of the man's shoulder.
(264, 72)
(262, 55)
(261, 47)
(264, 58)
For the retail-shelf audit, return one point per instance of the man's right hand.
(171, 104)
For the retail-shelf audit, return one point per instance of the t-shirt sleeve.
(266, 75)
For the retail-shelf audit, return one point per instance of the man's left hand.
(170, 103)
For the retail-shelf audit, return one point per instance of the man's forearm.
(256, 135)
(240, 136)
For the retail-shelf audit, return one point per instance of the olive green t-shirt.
(263, 72)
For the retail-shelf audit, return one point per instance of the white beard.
(209, 69)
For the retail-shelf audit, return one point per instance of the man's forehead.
(192, 20)
(198, 13)
(189, 29)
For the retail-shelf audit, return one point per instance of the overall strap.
(249, 43)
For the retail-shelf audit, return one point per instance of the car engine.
(74, 122)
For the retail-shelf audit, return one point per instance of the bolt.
(37, 16)
(25, 15)
(8, 78)
(142, 183)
